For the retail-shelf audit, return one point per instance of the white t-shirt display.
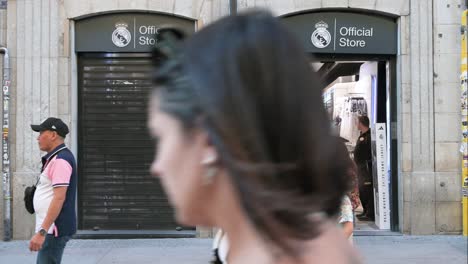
(351, 109)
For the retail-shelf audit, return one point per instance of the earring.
(209, 160)
(210, 168)
(209, 174)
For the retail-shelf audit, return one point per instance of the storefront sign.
(124, 32)
(382, 197)
(344, 32)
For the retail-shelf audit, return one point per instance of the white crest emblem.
(121, 36)
(321, 38)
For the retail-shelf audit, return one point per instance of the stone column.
(38, 43)
(422, 212)
(447, 46)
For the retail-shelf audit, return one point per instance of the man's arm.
(55, 206)
(52, 213)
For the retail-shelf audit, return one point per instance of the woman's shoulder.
(331, 247)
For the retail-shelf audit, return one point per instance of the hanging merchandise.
(327, 97)
(338, 106)
(353, 107)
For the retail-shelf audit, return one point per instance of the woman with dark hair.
(243, 142)
(351, 200)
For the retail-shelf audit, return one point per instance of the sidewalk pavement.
(375, 249)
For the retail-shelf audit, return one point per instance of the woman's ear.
(208, 160)
(210, 155)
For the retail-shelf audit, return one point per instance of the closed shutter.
(116, 191)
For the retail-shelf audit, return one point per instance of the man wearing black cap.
(54, 199)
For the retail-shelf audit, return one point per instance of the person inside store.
(242, 141)
(363, 160)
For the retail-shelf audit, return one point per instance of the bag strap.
(47, 162)
(38, 178)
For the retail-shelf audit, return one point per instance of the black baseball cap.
(52, 124)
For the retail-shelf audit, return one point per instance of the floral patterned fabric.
(346, 211)
(354, 193)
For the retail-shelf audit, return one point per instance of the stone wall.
(43, 62)
(431, 119)
(281, 7)
(428, 112)
(202, 10)
(447, 116)
(3, 30)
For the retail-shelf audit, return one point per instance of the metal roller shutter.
(116, 191)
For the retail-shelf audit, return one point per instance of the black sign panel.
(124, 32)
(344, 32)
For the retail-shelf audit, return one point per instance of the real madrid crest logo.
(121, 36)
(321, 38)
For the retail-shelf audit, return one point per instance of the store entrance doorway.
(365, 86)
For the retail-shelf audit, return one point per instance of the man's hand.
(36, 242)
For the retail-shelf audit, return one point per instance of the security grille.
(116, 191)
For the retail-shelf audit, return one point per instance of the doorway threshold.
(133, 234)
(369, 228)
(376, 232)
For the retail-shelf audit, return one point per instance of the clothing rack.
(357, 96)
(352, 94)
(354, 106)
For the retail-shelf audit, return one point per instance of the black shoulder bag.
(29, 197)
(30, 190)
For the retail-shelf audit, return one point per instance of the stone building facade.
(40, 37)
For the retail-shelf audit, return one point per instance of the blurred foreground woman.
(243, 142)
